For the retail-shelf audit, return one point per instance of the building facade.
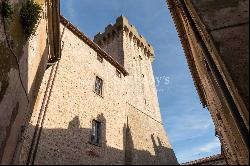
(98, 104)
(215, 38)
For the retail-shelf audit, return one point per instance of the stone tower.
(98, 104)
(130, 49)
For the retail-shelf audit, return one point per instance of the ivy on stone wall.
(30, 14)
(6, 9)
(6, 14)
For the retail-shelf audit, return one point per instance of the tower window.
(96, 133)
(99, 58)
(118, 73)
(98, 85)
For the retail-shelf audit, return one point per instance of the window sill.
(98, 94)
(94, 144)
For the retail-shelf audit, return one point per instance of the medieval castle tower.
(98, 104)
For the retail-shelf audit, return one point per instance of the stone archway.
(214, 36)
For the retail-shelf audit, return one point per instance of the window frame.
(100, 58)
(102, 86)
(96, 130)
(118, 73)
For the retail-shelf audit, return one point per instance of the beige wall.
(147, 142)
(32, 56)
(142, 92)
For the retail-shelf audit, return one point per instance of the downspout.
(55, 55)
(55, 39)
(219, 80)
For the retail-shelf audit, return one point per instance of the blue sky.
(189, 126)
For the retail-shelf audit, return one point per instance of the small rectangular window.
(99, 58)
(118, 73)
(96, 133)
(98, 85)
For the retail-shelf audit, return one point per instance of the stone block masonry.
(128, 110)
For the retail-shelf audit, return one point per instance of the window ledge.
(98, 94)
(95, 144)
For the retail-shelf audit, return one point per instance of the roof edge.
(174, 8)
(88, 41)
(204, 160)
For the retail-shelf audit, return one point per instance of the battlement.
(122, 24)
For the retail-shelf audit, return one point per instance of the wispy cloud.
(199, 152)
(69, 6)
(210, 146)
(184, 127)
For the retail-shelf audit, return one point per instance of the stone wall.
(31, 56)
(142, 92)
(147, 142)
(113, 44)
(207, 32)
(142, 102)
(73, 98)
(60, 126)
(137, 57)
(228, 27)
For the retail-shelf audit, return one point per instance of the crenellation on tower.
(122, 25)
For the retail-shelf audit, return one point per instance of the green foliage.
(30, 14)
(6, 9)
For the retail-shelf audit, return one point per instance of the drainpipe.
(55, 39)
(219, 80)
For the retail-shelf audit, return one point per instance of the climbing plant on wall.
(30, 14)
(6, 9)
(6, 13)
